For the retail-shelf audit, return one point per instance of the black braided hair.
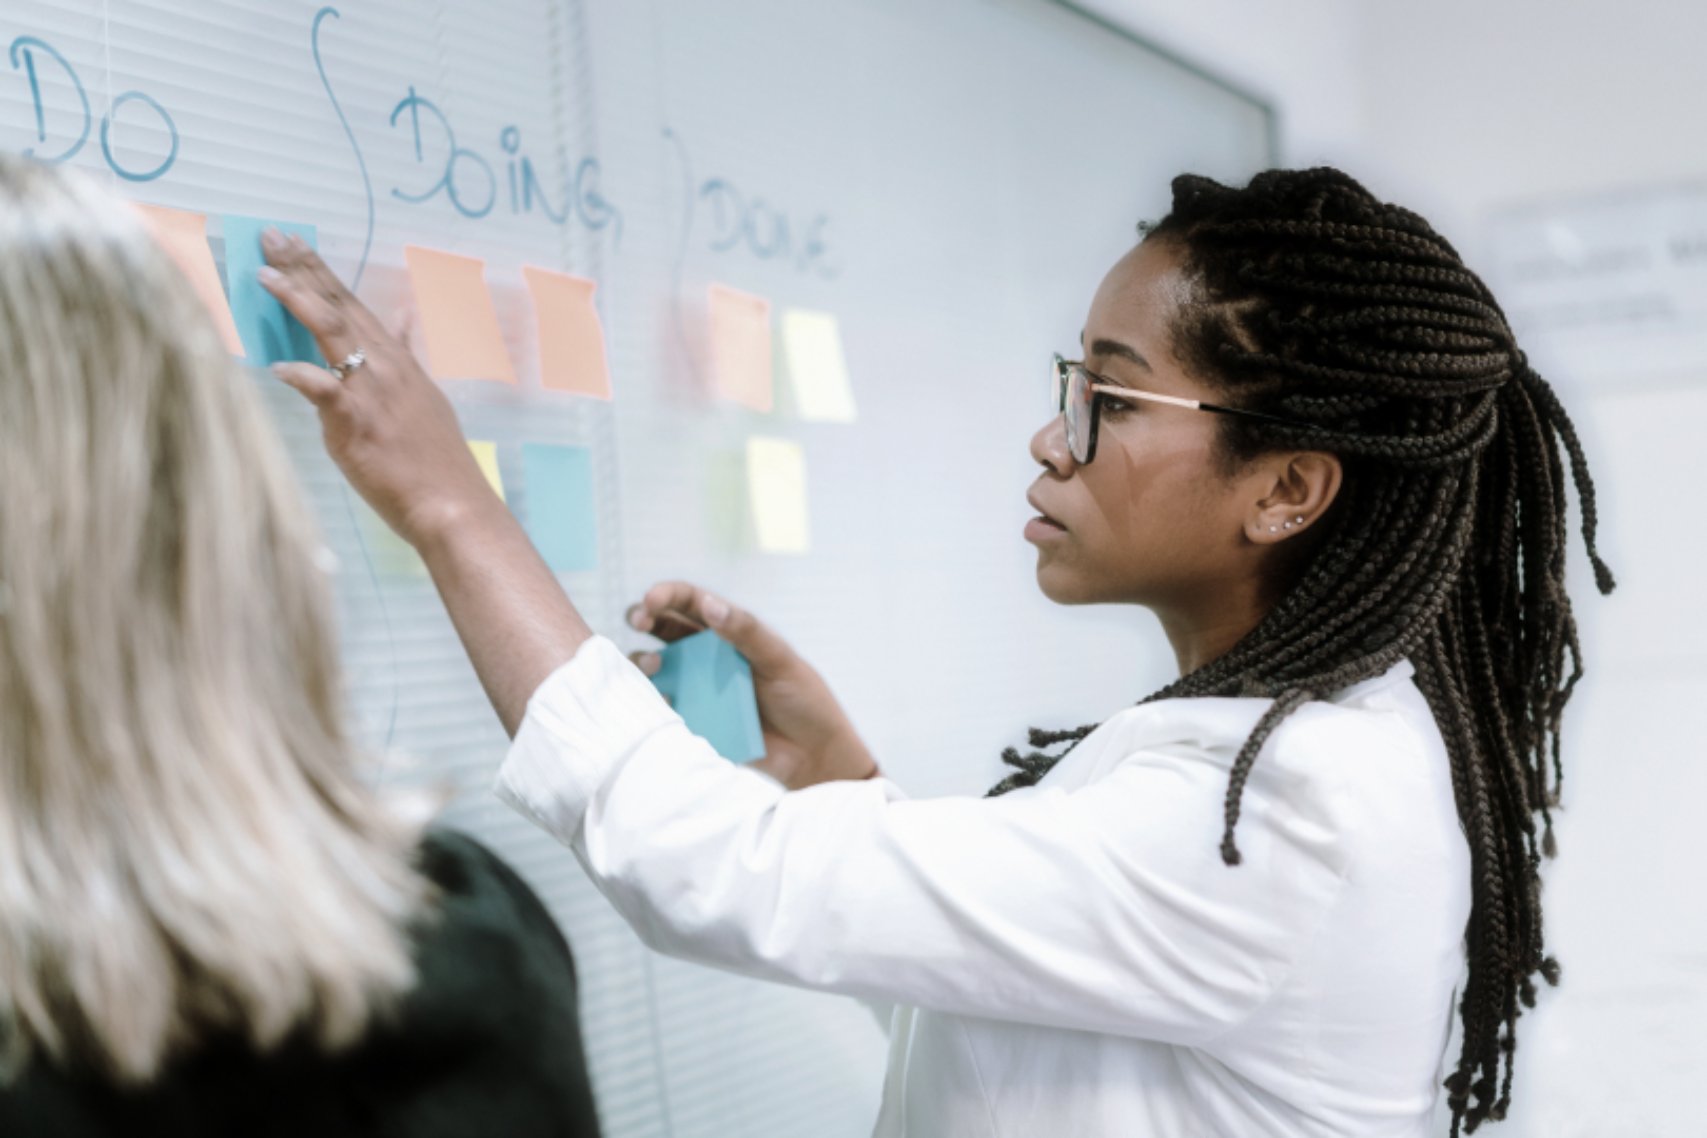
(1318, 302)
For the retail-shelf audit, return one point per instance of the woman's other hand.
(808, 738)
(386, 423)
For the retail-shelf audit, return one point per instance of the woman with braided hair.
(1252, 904)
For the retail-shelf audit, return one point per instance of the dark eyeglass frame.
(1097, 386)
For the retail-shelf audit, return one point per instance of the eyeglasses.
(1075, 395)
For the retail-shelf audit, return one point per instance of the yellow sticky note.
(183, 234)
(486, 454)
(776, 488)
(389, 554)
(817, 370)
(740, 327)
(458, 322)
(571, 340)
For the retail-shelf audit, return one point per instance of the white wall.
(1484, 104)
(1455, 108)
(1299, 55)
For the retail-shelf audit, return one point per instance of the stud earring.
(1299, 519)
(1270, 529)
(1286, 525)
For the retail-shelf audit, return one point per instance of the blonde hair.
(185, 845)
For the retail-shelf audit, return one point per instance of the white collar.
(1402, 670)
(1225, 717)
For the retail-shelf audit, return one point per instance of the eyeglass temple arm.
(1195, 404)
(1128, 393)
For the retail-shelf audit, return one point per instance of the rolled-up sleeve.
(1105, 908)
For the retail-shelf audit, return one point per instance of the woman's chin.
(1060, 584)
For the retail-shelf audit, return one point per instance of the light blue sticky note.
(269, 333)
(560, 505)
(711, 686)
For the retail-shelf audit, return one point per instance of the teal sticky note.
(269, 333)
(560, 515)
(711, 687)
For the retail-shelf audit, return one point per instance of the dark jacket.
(488, 1043)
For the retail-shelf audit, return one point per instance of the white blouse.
(1072, 958)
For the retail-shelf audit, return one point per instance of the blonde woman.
(209, 925)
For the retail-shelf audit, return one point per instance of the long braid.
(1319, 303)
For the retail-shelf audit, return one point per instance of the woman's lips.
(1045, 523)
(1044, 529)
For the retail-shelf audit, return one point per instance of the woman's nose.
(1049, 447)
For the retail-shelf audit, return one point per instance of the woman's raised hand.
(396, 438)
(808, 738)
(386, 424)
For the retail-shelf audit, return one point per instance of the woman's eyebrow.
(1116, 348)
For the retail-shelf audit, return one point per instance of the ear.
(1296, 490)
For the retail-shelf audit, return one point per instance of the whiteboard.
(950, 180)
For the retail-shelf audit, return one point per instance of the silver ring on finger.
(351, 362)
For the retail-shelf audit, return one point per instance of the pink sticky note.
(741, 346)
(571, 342)
(183, 234)
(457, 320)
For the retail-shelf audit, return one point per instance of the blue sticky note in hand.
(269, 333)
(560, 518)
(711, 686)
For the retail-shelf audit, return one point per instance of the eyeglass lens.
(1079, 413)
(1071, 397)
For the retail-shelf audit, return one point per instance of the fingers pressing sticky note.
(776, 489)
(183, 235)
(571, 340)
(457, 319)
(560, 506)
(486, 455)
(740, 327)
(269, 333)
(711, 687)
(817, 370)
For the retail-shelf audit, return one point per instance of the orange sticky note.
(458, 323)
(183, 234)
(741, 346)
(486, 455)
(571, 341)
